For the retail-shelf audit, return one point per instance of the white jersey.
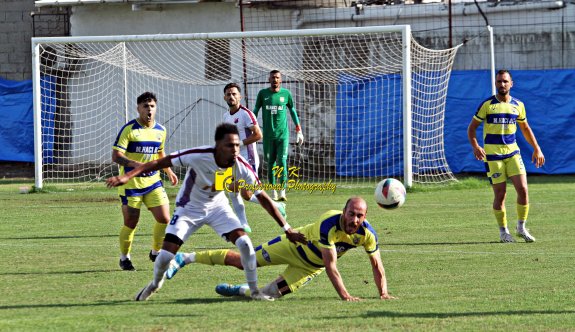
(244, 119)
(198, 191)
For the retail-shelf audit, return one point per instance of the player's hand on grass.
(387, 297)
(295, 236)
(351, 299)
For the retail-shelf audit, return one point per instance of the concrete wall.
(15, 34)
(114, 19)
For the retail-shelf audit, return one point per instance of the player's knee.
(172, 243)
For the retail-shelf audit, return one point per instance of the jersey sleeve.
(163, 142)
(122, 140)
(258, 104)
(480, 114)
(292, 111)
(246, 173)
(522, 117)
(181, 158)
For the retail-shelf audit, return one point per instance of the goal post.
(371, 100)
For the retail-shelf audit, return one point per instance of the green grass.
(59, 267)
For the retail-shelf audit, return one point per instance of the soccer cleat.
(247, 228)
(175, 265)
(259, 296)
(506, 238)
(152, 256)
(282, 208)
(126, 265)
(228, 289)
(525, 235)
(147, 291)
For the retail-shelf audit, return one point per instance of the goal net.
(371, 100)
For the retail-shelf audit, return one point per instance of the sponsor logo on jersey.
(496, 175)
(282, 99)
(504, 121)
(147, 149)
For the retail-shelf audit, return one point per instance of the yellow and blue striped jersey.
(327, 232)
(142, 144)
(499, 126)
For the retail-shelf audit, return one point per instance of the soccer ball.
(390, 194)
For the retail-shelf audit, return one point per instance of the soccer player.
(500, 115)
(139, 141)
(275, 102)
(201, 201)
(250, 133)
(329, 238)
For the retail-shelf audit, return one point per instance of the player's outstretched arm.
(151, 166)
(330, 262)
(379, 276)
(267, 203)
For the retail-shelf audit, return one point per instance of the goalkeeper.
(329, 238)
(275, 101)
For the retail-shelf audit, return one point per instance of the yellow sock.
(212, 257)
(522, 212)
(501, 217)
(158, 236)
(126, 239)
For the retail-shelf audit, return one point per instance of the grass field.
(59, 267)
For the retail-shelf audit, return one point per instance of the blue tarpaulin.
(550, 105)
(363, 145)
(547, 94)
(17, 125)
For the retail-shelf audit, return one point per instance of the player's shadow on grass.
(438, 243)
(60, 237)
(61, 272)
(391, 314)
(219, 299)
(64, 305)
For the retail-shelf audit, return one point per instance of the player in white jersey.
(201, 201)
(250, 133)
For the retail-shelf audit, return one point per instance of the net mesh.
(347, 89)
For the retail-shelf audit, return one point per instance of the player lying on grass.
(200, 202)
(329, 238)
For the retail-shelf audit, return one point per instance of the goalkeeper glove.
(299, 138)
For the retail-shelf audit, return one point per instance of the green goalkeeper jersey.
(274, 107)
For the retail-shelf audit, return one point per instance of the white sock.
(124, 257)
(521, 225)
(239, 207)
(249, 262)
(161, 265)
(503, 230)
(244, 289)
(283, 193)
(189, 257)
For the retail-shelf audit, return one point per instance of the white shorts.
(186, 222)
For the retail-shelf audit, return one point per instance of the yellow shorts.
(281, 251)
(156, 197)
(498, 171)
